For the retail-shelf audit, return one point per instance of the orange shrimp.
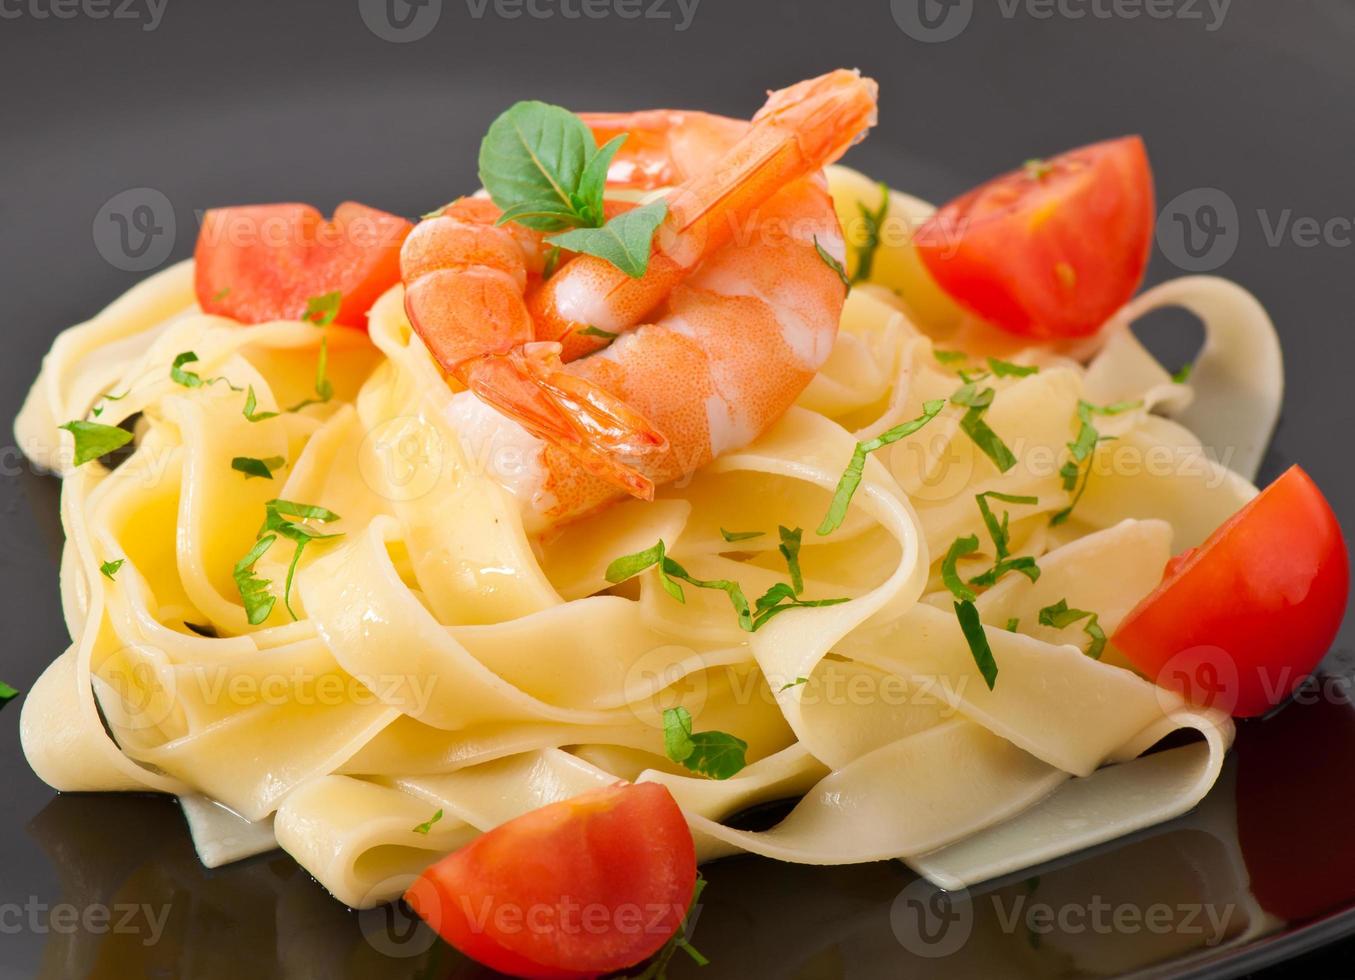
(734, 316)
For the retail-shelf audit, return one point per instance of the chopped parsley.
(718, 755)
(251, 403)
(856, 468)
(283, 518)
(977, 401)
(322, 310)
(93, 439)
(264, 468)
(832, 263)
(968, 615)
(1059, 616)
(324, 390)
(1006, 369)
(427, 825)
(189, 379)
(874, 223)
(1076, 472)
(658, 966)
(732, 536)
(110, 568)
(950, 577)
(775, 600)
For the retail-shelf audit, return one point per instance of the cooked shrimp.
(731, 321)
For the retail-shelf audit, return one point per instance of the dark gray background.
(257, 101)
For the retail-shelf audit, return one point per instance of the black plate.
(261, 100)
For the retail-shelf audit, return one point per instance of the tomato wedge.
(1052, 249)
(264, 262)
(1240, 621)
(584, 887)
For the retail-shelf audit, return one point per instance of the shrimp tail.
(599, 430)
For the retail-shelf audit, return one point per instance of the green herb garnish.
(718, 755)
(790, 550)
(7, 694)
(427, 825)
(1006, 369)
(323, 309)
(543, 168)
(795, 683)
(968, 615)
(189, 379)
(591, 331)
(851, 477)
(670, 572)
(251, 403)
(1183, 375)
(959, 548)
(324, 391)
(977, 401)
(110, 568)
(950, 356)
(740, 535)
(832, 263)
(93, 439)
(254, 591)
(658, 966)
(1013, 624)
(221, 294)
(1060, 617)
(874, 223)
(1077, 471)
(998, 531)
(250, 466)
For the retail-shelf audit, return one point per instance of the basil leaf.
(832, 263)
(795, 683)
(221, 294)
(1013, 624)
(625, 241)
(7, 694)
(988, 441)
(856, 468)
(254, 592)
(1183, 375)
(718, 755)
(304, 511)
(1026, 565)
(110, 568)
(427, 825)
(536, 153)
(251, 466)
(324, 391)
(541, 216)
(950, 356)
(740, 535)
(737, 599)
(593, 180)
(628, 566)
(968, 615)
(1080, 451)
(1059, 616)
(93, 439)
(677, 733)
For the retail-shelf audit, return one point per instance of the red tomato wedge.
(1052, 249)
(580, 888)
(1240, 621)
(263, 262)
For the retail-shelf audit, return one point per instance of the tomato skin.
(263, 262)
(1052, 255)
(1240, 621)
(580, 888)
